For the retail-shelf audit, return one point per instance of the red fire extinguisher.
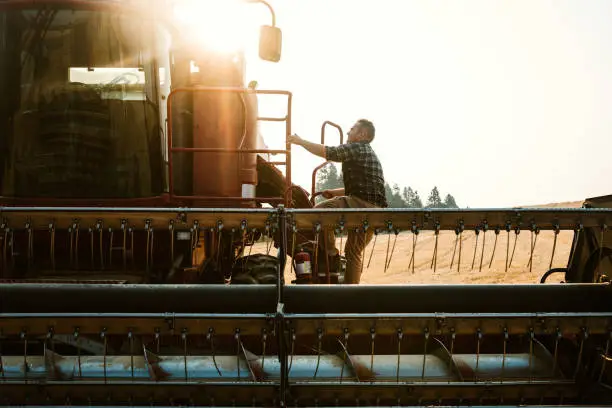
(303, 267)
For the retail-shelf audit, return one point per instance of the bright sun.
(221, 25)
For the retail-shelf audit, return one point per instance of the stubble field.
(476, 266)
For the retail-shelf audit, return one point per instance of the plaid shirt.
(361, 170)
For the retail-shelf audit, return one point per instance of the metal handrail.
(316, 170)
(286, 151)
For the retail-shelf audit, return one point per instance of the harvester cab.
(144, 238)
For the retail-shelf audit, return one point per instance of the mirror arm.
(265, 3)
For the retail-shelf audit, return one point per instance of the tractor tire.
(256, 269)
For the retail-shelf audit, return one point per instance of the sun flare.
(220, 25)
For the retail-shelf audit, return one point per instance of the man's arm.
(335, 192)
(314, 148)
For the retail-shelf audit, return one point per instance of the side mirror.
(270, 43)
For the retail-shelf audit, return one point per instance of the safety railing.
(285, 198)
(315, 194)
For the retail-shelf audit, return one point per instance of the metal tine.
(252, 241)
(131, 232)
(604, 227)
(517, 231)
(373, 245)
(426, 334)
(110, 246)
(346, 353)
(1, 364)
(184, 338)
(317, 229)
(536, 231)
(210, 336)
(171, 229)
(268, 238)
(452, 348)
(244, 230)
(6, 230)
(605, 358)
(77, 339)
(124, 230)
(238, 349)
(105, 338)
(24, 337)
(585, 335)
(400, 336)
(508, 228)
(373, 337)
(91, 241)
(454, 248)
(157, 341)
(366, 225)
(320, 340)
(434, 258)
(485, 228)
(479, 338)
(99, 225)
(293, 339)
(28, 227)
(577, 231)
(497, 231)
(531, 338)
(556, 351)
(264, 338)
(396, 232)
(461, 229)
(556, 230)
(147, 250)
(505, 350)
(131, 340)
(477, 232)
(389, 229)
(151, 252)
(52, 244)
(415, 236)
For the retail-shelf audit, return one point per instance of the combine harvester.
(133, 188)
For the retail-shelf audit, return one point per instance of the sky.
(497, 102)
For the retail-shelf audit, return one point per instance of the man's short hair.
(368, 126)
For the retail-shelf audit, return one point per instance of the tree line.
(329, 178)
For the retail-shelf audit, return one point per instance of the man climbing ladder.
(364, 187)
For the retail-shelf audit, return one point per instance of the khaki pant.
(355, 242)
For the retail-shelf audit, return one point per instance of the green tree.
(434, 200)
(395, 198)
(408, 196)
(328, 178)
(449, 202)
(416, 202)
